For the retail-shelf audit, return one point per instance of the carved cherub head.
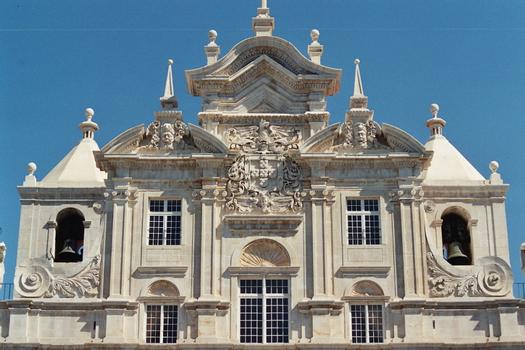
(360, 135)
(168, 135)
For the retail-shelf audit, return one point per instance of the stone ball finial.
(494, 166)
(212, 35)
(89, 113)
(434, 109)
(357, 61)
(314, 34)
(31, 168)
(170, 61)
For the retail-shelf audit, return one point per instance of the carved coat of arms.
(264, 175)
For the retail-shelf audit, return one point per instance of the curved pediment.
(154, 140)
(358, 138)
(263, 61)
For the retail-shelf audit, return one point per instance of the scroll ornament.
(37, 282)
(491, 277)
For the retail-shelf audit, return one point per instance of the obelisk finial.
(169, 101)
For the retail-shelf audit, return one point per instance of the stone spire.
(358, 100)
(169, 101)
(263, 24)
(88, 126)
(435, 124)
(78, 168)
(359, 111)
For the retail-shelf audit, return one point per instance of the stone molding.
(171, 271)
(280, 225)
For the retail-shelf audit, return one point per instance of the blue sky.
(59, 57)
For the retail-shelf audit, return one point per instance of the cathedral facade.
(264, 226)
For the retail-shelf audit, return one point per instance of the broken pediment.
(263, 61)
(362, 137)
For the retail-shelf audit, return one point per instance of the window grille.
(164, 222)
(264, 312)
(363, 222)
(161, 324)
(367, 323)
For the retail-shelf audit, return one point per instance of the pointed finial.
(212, 50)
(435, 124)
(169, 101)
(88, 127)
(315, 50)
(358, 100)
(263, 24)
(358, 83)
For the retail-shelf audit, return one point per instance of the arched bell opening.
(456, 239)
(69, 239)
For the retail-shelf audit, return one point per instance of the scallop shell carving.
(264, 253)
(163, 288)
(365, 289)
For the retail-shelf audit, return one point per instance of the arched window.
(456, 239)
(69, 239)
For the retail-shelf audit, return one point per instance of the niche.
(69, 239)
(456, 239)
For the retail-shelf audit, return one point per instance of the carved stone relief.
(490, 277)
(264, 176)
(365, 289)
(167, 137)
(271, 183)
(264, 253)
(37, 282)
(359, 136)
(163, 288)
(263, 139)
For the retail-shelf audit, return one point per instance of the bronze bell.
(67, 253)
(456, 256)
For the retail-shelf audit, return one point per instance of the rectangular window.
(367, 323)
(363, 221)
(164, 222)
(161, 324)
(264, 311)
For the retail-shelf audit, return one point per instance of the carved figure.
(168, 135)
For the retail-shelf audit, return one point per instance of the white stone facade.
(324, 228)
